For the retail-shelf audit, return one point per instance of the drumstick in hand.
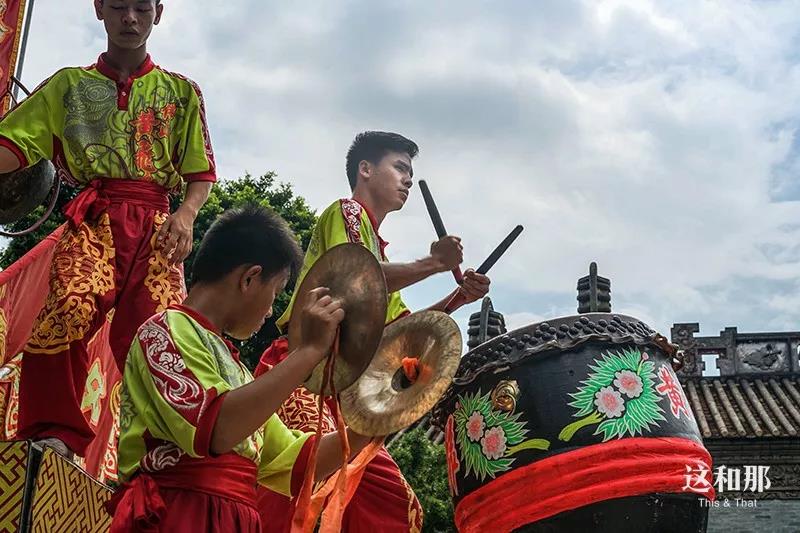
(437, 222)
(458, 298)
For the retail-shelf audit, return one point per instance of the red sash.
(100, 193)
(138, 506)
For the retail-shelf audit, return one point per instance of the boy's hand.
(175, 238)
(448, 252)
(475, 286)
(319, 320)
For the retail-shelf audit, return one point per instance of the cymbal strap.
(305, 517)
(332, 517)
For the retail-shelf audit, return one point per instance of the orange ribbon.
(338, 491)
(304, 519)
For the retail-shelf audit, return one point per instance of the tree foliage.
(277, 196)
(226, 194)
(424, 466)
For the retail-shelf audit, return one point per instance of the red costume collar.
(374, 223)
(206, 323)
(110, 72)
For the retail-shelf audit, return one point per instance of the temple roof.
(745, 406)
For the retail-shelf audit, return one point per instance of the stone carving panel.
(769, 356)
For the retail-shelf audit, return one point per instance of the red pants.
(383, 500)
(105, 260)
(194, 512)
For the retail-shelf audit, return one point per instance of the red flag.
(11, 14)
(23, 289)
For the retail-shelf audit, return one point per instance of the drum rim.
(516, 347)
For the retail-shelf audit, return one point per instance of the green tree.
(424, 466)
(265, 191)
(226, 194)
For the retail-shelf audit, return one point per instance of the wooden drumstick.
(458, 298)
(437, 222)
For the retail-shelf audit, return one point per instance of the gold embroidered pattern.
(164, 282)
(82, 271)
(108, 471)
(13, 471)
(9, 397)
(3, 326)
(12, 407)
(68, 499)
(414, 507)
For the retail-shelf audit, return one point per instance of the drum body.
(575, 424)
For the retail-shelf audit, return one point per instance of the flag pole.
(23, 45)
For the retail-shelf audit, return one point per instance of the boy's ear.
(251, 274)
(365, 169)
(159, 11)
(98, 9)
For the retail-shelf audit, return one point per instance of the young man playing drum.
(128, 133)
(197, 432)
(379, 168)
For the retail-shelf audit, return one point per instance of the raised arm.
(475, 287)
(446, 254)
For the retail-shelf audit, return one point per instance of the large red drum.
(574, 424)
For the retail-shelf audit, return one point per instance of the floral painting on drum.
(486, 438)
(619, 394)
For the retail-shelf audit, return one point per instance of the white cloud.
(519, 320)
(642, 135)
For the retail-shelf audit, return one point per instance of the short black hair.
(372, 146)
(249, 235)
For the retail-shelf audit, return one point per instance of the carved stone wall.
(781, 455)
(769, 516)
(776, 510)
(740, 354)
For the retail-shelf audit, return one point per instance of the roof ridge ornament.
(594, 292)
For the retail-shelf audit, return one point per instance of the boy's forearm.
(196, 196)
(246, 409)
(441, 305)
(401, 275)
(329, 456)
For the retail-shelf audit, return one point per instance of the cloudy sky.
(659, 139)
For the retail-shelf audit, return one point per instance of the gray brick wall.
(771, 516)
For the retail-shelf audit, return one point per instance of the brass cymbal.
(24, 190)
(383, 401)
(355, 277)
